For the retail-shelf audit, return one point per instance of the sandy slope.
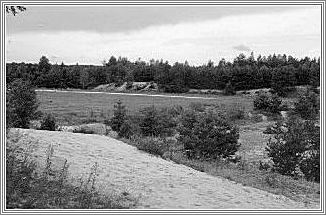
(161, 184)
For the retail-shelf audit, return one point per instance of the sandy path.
(162, 184)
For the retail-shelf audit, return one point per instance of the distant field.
(70, 107)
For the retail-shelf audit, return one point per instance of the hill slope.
(160, 183)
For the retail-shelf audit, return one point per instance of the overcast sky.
(89, 35)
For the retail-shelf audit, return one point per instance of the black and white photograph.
(213, 107)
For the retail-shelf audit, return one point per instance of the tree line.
(243, 73)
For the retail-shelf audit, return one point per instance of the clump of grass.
(83, 130)
(30, 188)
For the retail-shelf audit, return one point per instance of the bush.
(307, 105)
(156, 122)
(268, 102)
(296, 145)
(48, 123)
(119, 116)
(207, 135)
(153, 145)
(21, 104)
(128, 129)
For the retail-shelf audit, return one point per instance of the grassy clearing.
(71, 108)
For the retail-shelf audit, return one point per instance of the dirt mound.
(159, 183)
(128, 87)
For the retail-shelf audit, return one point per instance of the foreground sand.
(159, 183)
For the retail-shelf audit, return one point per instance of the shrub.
(229, 89)
(153, 145)
(128, 129)
(207, 135)
(48, 123)
(156, 122)
(21, 104)
(83, 130)
(267, 102)
(307, 105)
(119, 116)
(296, 145)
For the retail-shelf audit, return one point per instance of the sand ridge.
(160, 184)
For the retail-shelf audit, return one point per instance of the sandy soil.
(159, 183)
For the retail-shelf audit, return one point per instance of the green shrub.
(156, 122)
(296, 145)
(48, 123)
(268, 102)
(128, 129)
(83, 130)
(21, 104)
(307, 105)
(153, 145)
(119, 116)
(207, 135)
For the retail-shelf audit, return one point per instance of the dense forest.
(243, 73)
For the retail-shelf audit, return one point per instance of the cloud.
(291, 33)
(242, 48)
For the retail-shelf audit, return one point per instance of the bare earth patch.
(159, 183)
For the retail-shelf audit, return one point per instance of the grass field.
(74, 108)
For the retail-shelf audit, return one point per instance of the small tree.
(156, 122)
(296, 146)
(119, 117)
(207, 135)
(21, 103)
(48, 123)
(267, 102)
(307, 105)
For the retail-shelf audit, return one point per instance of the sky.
(90, 35)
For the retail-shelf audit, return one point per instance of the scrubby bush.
(156, 122)
(21, 104)
(128, 129)
(48, 123)
(307, 105)
(296, 145)
(153, 145)
(207, 135)
(268, 102)
(119, 116)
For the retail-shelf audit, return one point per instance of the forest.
(244, 73)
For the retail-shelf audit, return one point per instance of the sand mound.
(160, 183)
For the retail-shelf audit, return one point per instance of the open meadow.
(75, 107)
